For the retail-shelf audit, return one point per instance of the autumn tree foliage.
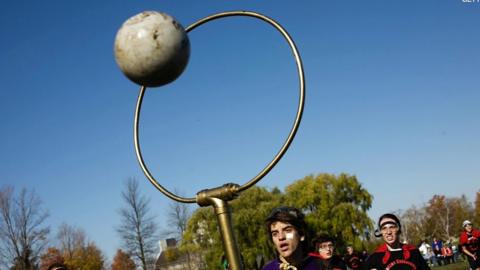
(74, 250)
(51, 256)
(441, 217)
(88, 257)
(122, 261)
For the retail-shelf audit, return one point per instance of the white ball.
(152, 48)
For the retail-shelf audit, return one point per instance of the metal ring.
(287, 142)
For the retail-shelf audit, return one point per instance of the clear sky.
(392, 97)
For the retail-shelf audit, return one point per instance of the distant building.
(170, 258)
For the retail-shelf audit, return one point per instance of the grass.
(463, 265)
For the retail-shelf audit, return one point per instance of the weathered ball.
(152, 48)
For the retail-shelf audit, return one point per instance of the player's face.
(326, 249)
(389, 230)
(468, 227)
(286, 239)
(349, 250)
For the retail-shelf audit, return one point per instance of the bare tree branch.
(22, 237)
(177, 218)
(137, 230)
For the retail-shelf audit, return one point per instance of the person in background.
(437, 249)
(364, 255)
(325, 245)
(432, 259)
(288, 231)
(456, 253)
(453, 249)
(423, 248)
(352, 259)
(470, 244)
(447, 254)
(393, 254)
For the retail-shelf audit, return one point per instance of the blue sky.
(392, 97)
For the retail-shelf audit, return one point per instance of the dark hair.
(322, 238)
(292, 216)
(287, 214)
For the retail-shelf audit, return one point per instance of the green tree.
(201, 236)
(248, 214)
(334, 205)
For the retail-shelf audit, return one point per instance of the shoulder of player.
(375, 256)
(315, 255)
(381, 249)
(374, 260)
(316, 262)
(271, 265)
(337, 259)
(463, 237)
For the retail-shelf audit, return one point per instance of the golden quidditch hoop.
(138, 55)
